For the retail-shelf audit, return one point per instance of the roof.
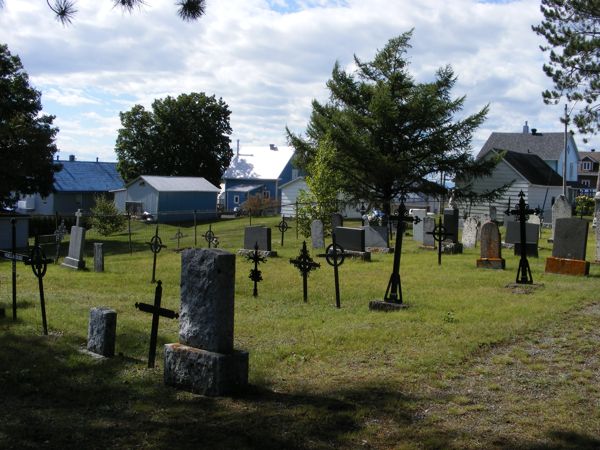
(87, 176)
(259, 163)
(245, 188)
(295, 180)
(177, 184)
(533, 168)
(548, 146)
(595, 156)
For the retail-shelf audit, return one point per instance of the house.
(257, 171)
(75, 187)
(550, 147)
(21, 230)
(528, 173)
(169, 199)
(587, 173)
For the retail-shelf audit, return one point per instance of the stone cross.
(78, 215)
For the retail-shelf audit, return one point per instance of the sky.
(268, 59)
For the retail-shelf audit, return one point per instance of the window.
(586, 183)
(236, 199)
(586, 165)
(266, 195)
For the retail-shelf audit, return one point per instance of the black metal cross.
(393, 293)
(304, 263)
(210, 237)
(39, 264)
(522, 214)
(178, 237)
(255, 274)
(334, 255)
(156, 312)
(59, 234)
(156, 246)
(440, 234)
(283, 227)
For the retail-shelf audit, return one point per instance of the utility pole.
(564, 171)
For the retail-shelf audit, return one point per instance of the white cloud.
(269, 59)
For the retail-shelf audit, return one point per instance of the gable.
(176, 184)
(259, 163)
(533, 169)
(548, 146)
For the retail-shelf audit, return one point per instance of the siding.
(144, 194)
(289, 194)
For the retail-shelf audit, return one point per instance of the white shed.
(289, 195)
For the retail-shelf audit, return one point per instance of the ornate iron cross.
(255, 274)
(304, 263)
(393, 293)
(283, 227)
(440, 234)
(522, 214)
(210, 237)
(334, 255)
(39, 263)
(156, 312)
(59, 234)
(156, 246)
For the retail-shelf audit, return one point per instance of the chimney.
(534, 131)
(238, 148)
(273, 147)
(96, 159)
(525, 128)
(71, 157)
(57, 157)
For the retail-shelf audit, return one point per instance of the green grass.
(320, 377)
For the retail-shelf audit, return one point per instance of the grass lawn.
(471, 363)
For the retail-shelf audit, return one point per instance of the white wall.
(289, 195)
(142, 192)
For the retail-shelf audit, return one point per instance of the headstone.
(316, 234)
(102, 331)
(260, 234)
(532, 237)
(418, 227)
(204, 361)
(376, 236)
(428, 227)
(491, 247)
(76, 246)
(470, 232)
(560, 209)
(352, 239)
(569, 248)
(337, 220)
(493, 213)
(451, 224)
(534, 219)
(98, 257)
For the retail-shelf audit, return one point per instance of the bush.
(584, 205)
(106, 218)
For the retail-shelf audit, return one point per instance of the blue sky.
(268, 59)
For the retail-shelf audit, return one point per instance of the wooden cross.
(522, 214)
(304, 263)
(156, 312)
(393, 293)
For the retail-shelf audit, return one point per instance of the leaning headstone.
(316, 234)
(337, 220)
(428, 227)
(102, 331)
(418, 227)
(76, 246)
(470, 232)
(205, 361)
(569, 248)
(491, 247)
(98, 257)
(560, 209)
(376, 237)
(532, 237)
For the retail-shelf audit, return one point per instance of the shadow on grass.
(560, 440)
(55, 397)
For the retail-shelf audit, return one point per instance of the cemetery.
(470, 357)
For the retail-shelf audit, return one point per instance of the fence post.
(297, 226)
(129, 232)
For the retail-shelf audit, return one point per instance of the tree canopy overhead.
(183, 136)
(65, 10)
(572, 30)
(392, 135)
(26, 137)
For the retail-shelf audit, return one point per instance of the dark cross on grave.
(59, 234)
(393, 293)
(334, 255)
(210, 237)
(363, 211)
(304, 263)
(178, 236)
(440, 234)
(522, 214)
(39, 263)
(156, 246)
(283, 227)
(156, 312)
(255, 274)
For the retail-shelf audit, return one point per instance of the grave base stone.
(264, 253)
(204, 372)
(491, 263)
(382, 305)
(564, 266)
(102, 331)
(452, 248)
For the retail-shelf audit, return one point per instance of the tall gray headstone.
(317, 235)
(418, 227)
(570, 238)
(470, 232)
(204, 361)
(560, 209)
(102, 331)
(257, 234)
(98, 257)
(428, 227)
(76, 246)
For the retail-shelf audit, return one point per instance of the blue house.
(257, 171)
(169, 199)
(75, 187)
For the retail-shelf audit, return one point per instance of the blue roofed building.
(75, 187)
(257, 171)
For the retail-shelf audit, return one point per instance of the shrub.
(106, 218)
(584, 205)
